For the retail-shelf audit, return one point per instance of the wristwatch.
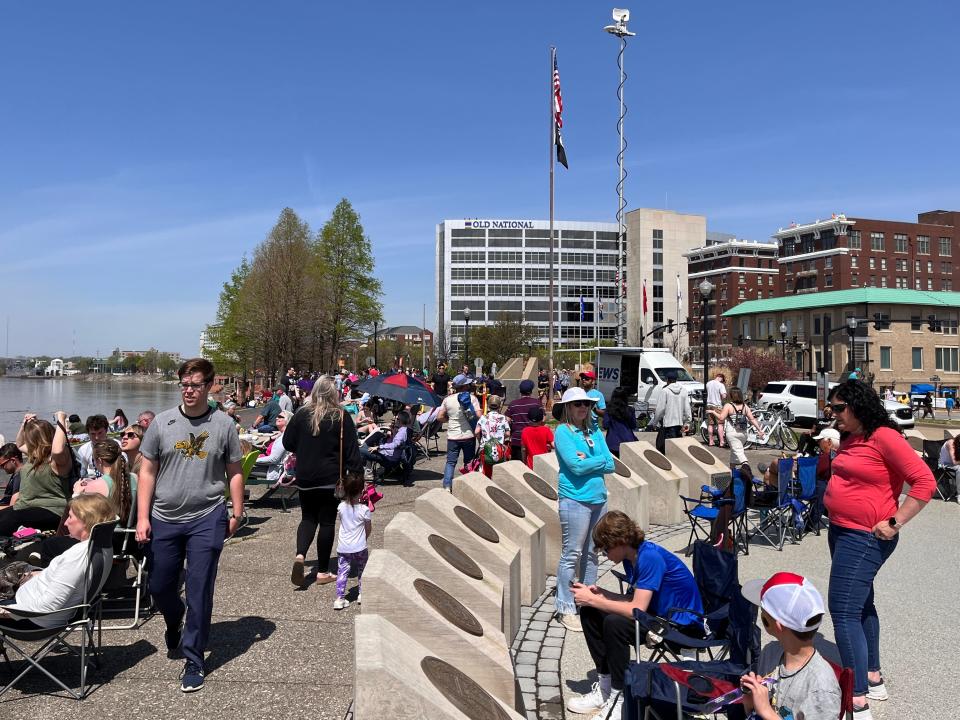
(894, 524)
(234, 516)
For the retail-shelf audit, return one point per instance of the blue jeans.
(469, 448)
(857, 558)
(578, 558)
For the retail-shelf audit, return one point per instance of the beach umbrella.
(402, 388)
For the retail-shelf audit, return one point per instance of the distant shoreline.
(101, 378)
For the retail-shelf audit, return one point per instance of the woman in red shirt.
(869, 472)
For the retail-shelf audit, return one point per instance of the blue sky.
(144, 148)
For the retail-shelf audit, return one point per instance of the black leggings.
(318, 516)
(39, 518)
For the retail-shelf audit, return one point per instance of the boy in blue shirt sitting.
(658, 581)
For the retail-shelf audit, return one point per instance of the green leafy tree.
(344, 276)
(131, 363)
(149, 361)
(166, 364)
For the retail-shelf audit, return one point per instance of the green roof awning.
(858, 296)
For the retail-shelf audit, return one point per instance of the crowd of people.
(169, 476)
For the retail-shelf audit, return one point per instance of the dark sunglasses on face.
(130, 435)
(581, 403)
(838, 407)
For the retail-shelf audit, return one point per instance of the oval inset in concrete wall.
(476, 524)
(658, 459)
(455, 556)
(463, 692)
(505, 501)
(620, 469)
(704, 456)
(540, 486)
(448, 606)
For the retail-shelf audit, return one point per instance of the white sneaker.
(863, 713)
(877, 691)
(571, 621)
(613, 708)
(340, 603)
(588, 703)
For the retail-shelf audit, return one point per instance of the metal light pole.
(376, 356)
(852, 331)
(706, 290)
(619, 29)
(783, 340)
(466, 340)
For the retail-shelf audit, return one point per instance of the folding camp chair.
(658, 691)
(706, 511)
(729, 619)
(119, 591)
(804, 493)
(22, 628)
(773, 510)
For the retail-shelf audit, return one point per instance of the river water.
(45, 397)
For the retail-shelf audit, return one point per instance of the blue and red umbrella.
(402, 388)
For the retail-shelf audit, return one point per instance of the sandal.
(325, 578)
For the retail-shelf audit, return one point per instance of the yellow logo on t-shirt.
(194, 446)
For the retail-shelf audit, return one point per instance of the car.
(802, 395)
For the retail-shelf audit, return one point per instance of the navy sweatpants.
(198, 542)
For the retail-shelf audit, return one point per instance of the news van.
(643, 371)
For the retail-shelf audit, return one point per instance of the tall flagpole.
(553, 140)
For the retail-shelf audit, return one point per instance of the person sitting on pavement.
(673, 412)
(518, 413)
(45, 484)
(97, 427)
(657, 581)
(61, 585)
(11, 460)
(389, 452)
(266, 421)
(791, 610)
(950, 459)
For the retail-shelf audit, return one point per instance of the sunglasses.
(838, 407)
(130, 435)
(580, 403)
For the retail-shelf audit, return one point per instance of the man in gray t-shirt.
(190, 455)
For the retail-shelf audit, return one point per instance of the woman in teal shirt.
(584, 458)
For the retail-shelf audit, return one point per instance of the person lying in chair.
(389, 452)
(61, 584)
(658, 581)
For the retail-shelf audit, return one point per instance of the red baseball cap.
(589, 374)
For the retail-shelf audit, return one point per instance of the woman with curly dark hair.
(620, 421)
(869, 472)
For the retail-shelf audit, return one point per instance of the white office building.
(500, 268)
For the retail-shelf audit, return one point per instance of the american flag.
(557, 113)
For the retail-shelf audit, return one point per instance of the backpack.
(466, 405)
(739, 419)
(495, 452)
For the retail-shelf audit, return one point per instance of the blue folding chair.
(804, 495)
(772, 520)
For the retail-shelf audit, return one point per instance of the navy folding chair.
(803, 495)
(773, 510)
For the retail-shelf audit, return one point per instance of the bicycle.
(775, 429)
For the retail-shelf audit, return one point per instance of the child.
(352, 540)
(536, 438)
(791, 609)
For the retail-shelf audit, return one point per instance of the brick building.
(841, 253)
(739, 270)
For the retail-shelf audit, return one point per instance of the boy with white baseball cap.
(791, 610)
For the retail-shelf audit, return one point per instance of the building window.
(883, 281)
(917, 358)
(929, 266)
(947, 285)
(945, 247)
(658, 235)
(853, 261)
(873, 281)
(769, 279)
(923, 244)
(741, 278)
(916, 266)
(828, 280)
(947, 359)
(854, 278)
(828, 262)
(917, 283)
(929, 283)
(876, 241)
(900, 242)
(743, 293)
(916, 323)
(883, 263)
(885, 357)
(854, 240)
(873, 262)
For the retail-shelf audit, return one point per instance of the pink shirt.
(868, 478)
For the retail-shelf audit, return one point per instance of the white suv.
(802, 395)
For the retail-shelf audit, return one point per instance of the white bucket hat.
(571, 395)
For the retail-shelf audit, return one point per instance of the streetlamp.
(783, 340)
(706, 290)
(852, 331)
(376, 356)
(466, 340)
